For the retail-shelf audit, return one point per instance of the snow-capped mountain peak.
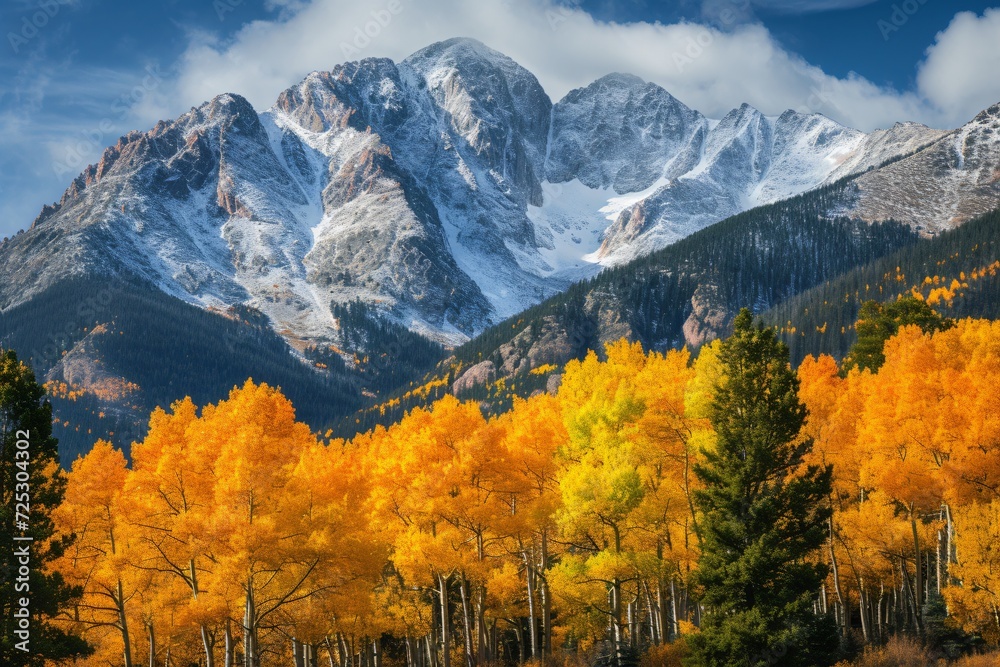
(449, 191)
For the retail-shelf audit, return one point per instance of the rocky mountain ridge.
(450, 192)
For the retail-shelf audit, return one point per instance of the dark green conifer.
(26, 417)
(764, 517)
(878, 322)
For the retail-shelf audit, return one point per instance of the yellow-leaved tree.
(172, 487)
(102, 557)
(626, 484)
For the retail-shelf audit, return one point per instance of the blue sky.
(76, 74)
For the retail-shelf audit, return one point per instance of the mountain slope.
(685, 294)
(941, 186)
(447, 191)
(81, 336)
(957, 272)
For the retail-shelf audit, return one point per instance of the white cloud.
(710, 70)
(960, 73)
(730, 11)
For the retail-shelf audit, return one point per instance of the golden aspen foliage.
(565, 523)
(916, 451)
(102, 557)
(976, 597)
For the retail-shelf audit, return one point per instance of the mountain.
(445, 190)
(618, 132)
(380, 209)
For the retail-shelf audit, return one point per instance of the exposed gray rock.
(620, 132)
(479, 375)
(708, 317)
(526, 351)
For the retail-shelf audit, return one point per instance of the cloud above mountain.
(709, 69)
(959, 74)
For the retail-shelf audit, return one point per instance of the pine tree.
(36, 481)
(763, 516)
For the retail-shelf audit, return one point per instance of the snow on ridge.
(446, 189)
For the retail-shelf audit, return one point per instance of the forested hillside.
(81, 337)
(955, 272)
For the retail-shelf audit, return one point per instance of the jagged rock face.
(525, 351)
(448, 191)
(745, 160)
(461, 130)
(379, 236)
(495, 105)
(479, 375)
(708, 317)
(153, 207)
(620, 132)
(748, 159)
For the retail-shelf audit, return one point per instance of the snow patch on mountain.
(569, 226)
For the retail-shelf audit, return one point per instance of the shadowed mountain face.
(448, 192)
